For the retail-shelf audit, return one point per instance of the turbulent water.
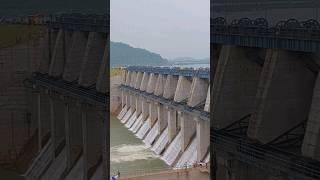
(128, 154)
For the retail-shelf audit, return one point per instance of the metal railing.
(290, 34)
(265, 157)
(66, 21)
(90, 96)
(190, 72)
(170, 103)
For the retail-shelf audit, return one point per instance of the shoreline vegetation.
(115, 72)
(17, 33)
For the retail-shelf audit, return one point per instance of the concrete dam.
(264, 114)
(168, 109)
(64, 95)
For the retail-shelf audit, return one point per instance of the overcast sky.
(172, 28)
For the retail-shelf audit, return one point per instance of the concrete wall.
(284, 96)
(234, 87)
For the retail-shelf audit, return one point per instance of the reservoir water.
(128, 154)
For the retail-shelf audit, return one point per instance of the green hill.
(122, 55)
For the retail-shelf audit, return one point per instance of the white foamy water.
(189, 157)
(143, 130)
(132, 119)
(161, 143)
(171, 154)
(136, 124)
(128, 153)
(127, 116)
(151, 136)
(122, 112)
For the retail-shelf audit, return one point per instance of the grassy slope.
(115, 72)
(13, 34)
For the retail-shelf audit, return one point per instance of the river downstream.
(128, 154)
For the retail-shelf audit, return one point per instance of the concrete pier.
(159, 89)
(60, 53)
(170, 86)
(180, 137)
(188, 129)
(183, 89)
(92, 59)
(172, 123)
(71, 124)
(203, 140)
(74, 59)
(144, 82)
(234, 87)
(151, 83)
(284, 96)
(102, 80)
(198, 94)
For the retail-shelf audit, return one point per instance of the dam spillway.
(63, 71)
(168, 109)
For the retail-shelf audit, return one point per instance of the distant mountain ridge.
(122, 54)
(189, 60)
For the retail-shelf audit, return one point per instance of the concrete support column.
(145, 80)
(160, 85)
(172, 123)
(153, 113)
(123, 76)
(152, 83)
(52, 124)
(105, 145)
(144, 108)
(84, 142)
(103, 80)
(311, 142)
(133, 79)
(203, 138)
(284, 96)
(188, 129)
(162, 115)
(68, 134)
(94, 141)
(93, 126)
(207, 105)
(122, 99)
(57, 113)
(73, 134)
(170, 86)
(75, 56)
(138, 105)
(138, 80)
(183, 89)
(39, 121)
(128, 78)
(199, 92)
(127, 99)
(47, 45)
(43, 116)
(92, 58)
(235, 86)
(59, 56)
